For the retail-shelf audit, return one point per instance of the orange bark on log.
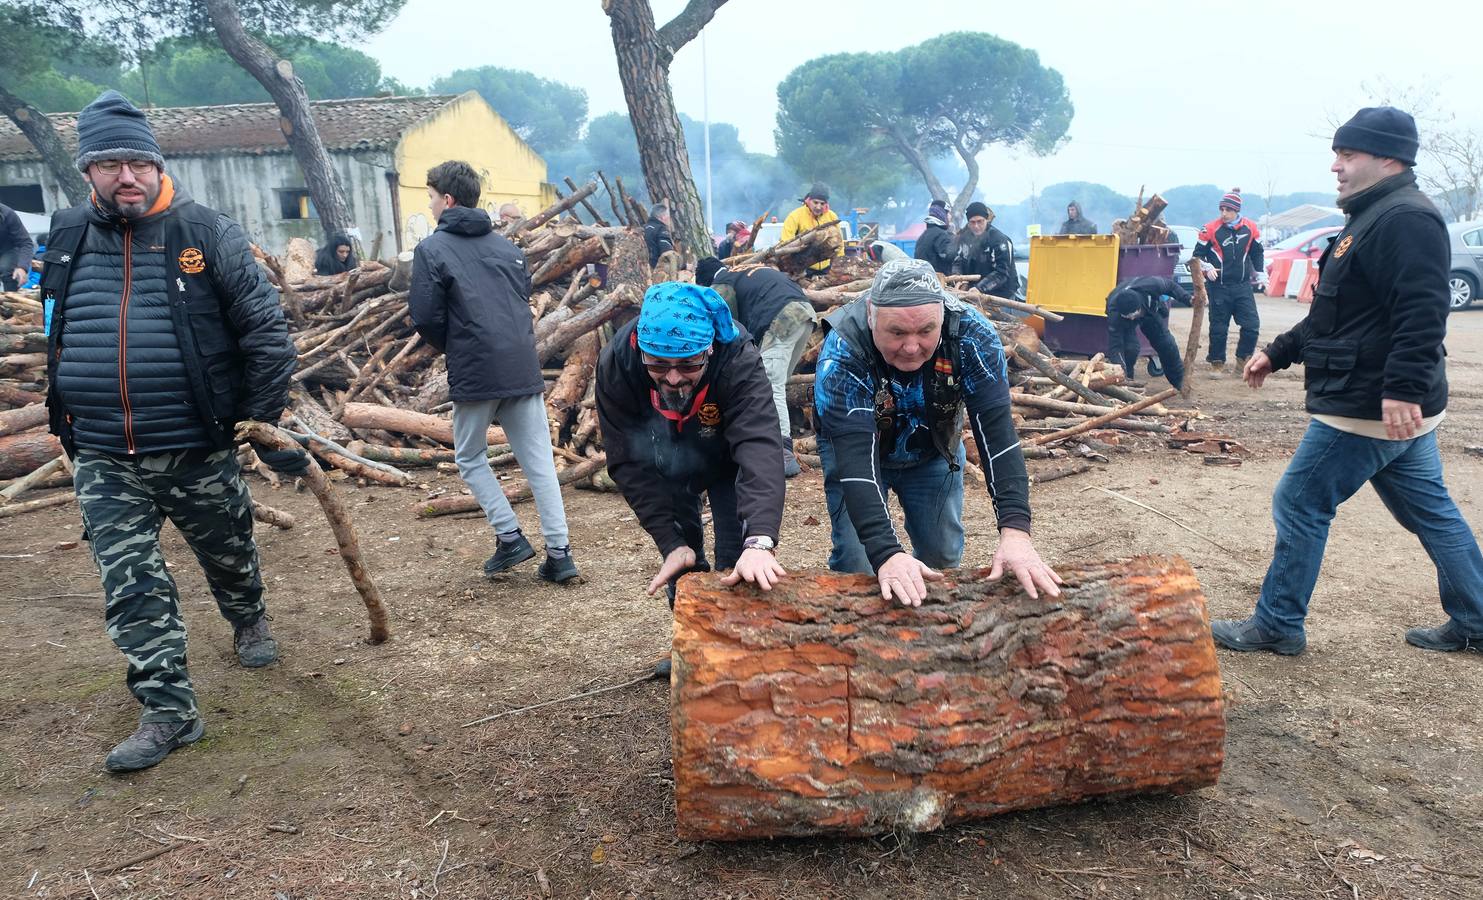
(819, 708)
(24, 453)
(405, 421)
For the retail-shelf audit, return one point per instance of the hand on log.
(269, 437)
(820, 708)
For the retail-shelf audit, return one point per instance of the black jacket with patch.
(658, 239)
(1379, 313)
(164, 330)
(991, 256)
(470, 298)
(730, 431)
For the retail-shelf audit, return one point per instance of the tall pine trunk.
(644, 54)
(38, 129)
(295, 120)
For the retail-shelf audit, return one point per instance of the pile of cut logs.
(1146, 225)
(370, 398)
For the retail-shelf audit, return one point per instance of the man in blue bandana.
(686, 408)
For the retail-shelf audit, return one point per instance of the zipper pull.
(180, 283)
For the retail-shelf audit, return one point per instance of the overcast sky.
(1234, 94)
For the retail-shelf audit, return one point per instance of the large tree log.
(568, 259)
(14, 396)
(821, 708)
(604, 310)
(13, 421)
(24, 453)
(576, 373)
(405, 421)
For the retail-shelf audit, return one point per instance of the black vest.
(198, 314)
(943, 387)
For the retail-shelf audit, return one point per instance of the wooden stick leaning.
(1116, 414)
(26, 482)
(15, 509)
(1192, 346)
(267, 436)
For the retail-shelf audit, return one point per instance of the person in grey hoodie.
(470, 298)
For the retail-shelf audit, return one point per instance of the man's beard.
(128, 210)
(675, 399)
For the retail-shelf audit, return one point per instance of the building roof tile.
(364, 123)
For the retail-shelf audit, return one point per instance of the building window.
(294, 203)
(23, 197)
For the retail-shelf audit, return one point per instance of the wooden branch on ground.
(26, 482)
(462, 503)
(265, 435)
(270, 516)
(1113, 416)
(16, 509)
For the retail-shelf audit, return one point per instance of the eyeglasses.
(115, 166)
(660, 369)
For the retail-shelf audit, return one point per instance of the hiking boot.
(1217, 370)
(1447, 638)
(790, 464)
(151, 743)
(255, 645)
(1241, 362)
(559, 571)
(1247, 635)
(662, 669)
(508, 555)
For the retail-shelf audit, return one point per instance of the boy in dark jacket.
(1374, 369)
(1230, 249)
(470, 298)
(685, 408)
(1138, 305)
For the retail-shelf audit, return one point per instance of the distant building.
(235, 159)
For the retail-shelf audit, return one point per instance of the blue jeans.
(931, 496)
(1329, 467)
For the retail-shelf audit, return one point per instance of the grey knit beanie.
(113, 128)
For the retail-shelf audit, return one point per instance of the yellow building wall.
(467, 129)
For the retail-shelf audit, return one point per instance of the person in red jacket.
(1231, 250)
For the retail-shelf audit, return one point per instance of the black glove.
(292, 463)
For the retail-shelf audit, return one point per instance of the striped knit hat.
(1232, 200)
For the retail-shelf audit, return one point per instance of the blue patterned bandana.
(679, 319)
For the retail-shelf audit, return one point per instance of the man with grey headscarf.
(898, 370)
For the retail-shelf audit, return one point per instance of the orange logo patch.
(192, 262)
(1343, 247)
(710, 415)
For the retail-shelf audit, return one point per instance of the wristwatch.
(759, 542)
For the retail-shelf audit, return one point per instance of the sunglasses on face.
(687, 367)
(114, 166)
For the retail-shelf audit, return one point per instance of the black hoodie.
(470, 298)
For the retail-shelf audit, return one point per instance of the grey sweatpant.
(782, 348)
(524, 422)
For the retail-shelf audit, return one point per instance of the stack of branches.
(371, 398)
(1146, 225)
(1062, 408)
(28, 453)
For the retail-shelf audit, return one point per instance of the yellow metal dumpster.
(1073, 273)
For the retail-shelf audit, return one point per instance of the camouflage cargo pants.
(124, 503)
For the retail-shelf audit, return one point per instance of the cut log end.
(818, 708)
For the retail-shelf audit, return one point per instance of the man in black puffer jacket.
(1374, 369)
(163, 334)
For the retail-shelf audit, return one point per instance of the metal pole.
(705, 113)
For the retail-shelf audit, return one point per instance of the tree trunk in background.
(38, 129)
(970, 162)
(296, 121)
(644, 55)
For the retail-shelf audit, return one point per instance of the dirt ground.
(342, 771)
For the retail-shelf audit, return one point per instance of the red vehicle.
(1308, 244)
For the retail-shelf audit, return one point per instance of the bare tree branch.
(683, 28)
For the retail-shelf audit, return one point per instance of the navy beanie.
(706, 269)
(113, 128)
(979, 209)
(1380, 131)
(1128, 302)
